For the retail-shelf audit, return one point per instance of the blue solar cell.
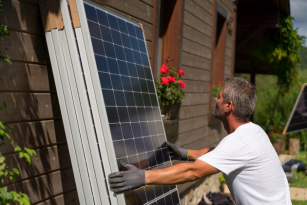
(116, 37)
(123, 114)
(90, 13)
(125, 40)
(142, 46)
(140, 71)
(131, 30)
(134, 43)
(116, 82)
(101, 63)
(112, 114)
(139, 33)
(106, 34)
(127, 131)
(108, 96)
(112, 64)
(102, 18)
(116, 132)
(98, 46)
(94, 29)
(123, 69)
(120, 55)
(113, 22)
(132, 70)
(129, 55)
(122, 26)
(109, 47)
(105, 80)
(137, 57)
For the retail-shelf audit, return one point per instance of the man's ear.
(229, 106)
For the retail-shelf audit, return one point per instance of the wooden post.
(294, 146)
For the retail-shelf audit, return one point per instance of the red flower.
(274, 127)
(277, 135)
(278, 130)
(164, 81)
(270, 135)
(181, 83)
(272, 131)
(164, 69)
(180, 72)
(171, 79)
(220, 82)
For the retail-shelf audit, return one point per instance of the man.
(245, 156)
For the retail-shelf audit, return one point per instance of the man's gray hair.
(242, 94)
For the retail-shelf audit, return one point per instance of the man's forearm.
(195, 154)
(175, 174)
(179, 173)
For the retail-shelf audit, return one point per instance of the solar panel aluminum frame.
(68, 120)
(293, 111)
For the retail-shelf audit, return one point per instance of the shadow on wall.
(33, 109)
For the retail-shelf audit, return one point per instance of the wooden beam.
(247, 37)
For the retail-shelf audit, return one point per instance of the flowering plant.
(169, 87)
(216, 89)
(274, 134)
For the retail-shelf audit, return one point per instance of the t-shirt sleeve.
(226, 157)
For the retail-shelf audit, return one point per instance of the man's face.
(219, 107)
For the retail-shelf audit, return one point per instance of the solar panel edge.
(75, 157)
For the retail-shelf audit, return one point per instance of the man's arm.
(195, 154)
(186, 154)
(179, 173)
(134, 178)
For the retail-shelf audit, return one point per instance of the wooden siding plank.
(196, 86)
(228, 51)
(227, 4)
(46, 186)
(26, 77)
(195, 61)
(197, 24)
(195, 74)
(25, 47)
(131, 7)
(198, 11)
(196, 49)
(229, 41)
(188, 112)
(70, 198)
(150, 2)
(228, 60)
(196, 36)
(188, 137)
(30, 106)
(195, 99)
(49, 159)
(36, 134)
(205, 4)
(175, 127)
(22, 16)
(209, 141)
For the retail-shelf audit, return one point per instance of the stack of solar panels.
(108, 103)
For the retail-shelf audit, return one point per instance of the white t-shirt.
(251, 167)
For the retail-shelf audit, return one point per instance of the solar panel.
(298, 117)
(130, 98)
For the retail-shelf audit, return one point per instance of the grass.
(300, 179)
(294, 202)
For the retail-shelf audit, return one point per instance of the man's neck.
(231, 124)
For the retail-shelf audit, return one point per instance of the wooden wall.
(193, 131)
(33, 109)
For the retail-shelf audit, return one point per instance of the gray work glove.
(127, 180)
(177, 152)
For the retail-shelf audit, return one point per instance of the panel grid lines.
(130, 99)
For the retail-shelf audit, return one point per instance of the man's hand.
(178, 152)
(126, 180)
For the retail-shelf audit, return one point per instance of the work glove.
(177, 152)
(126, 180)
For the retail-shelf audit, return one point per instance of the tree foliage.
(281, 50)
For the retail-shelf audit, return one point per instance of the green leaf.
(17, 149)
(28, 158)
(21, 155)
(16, 171)
(2, 159)
(2, 166)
